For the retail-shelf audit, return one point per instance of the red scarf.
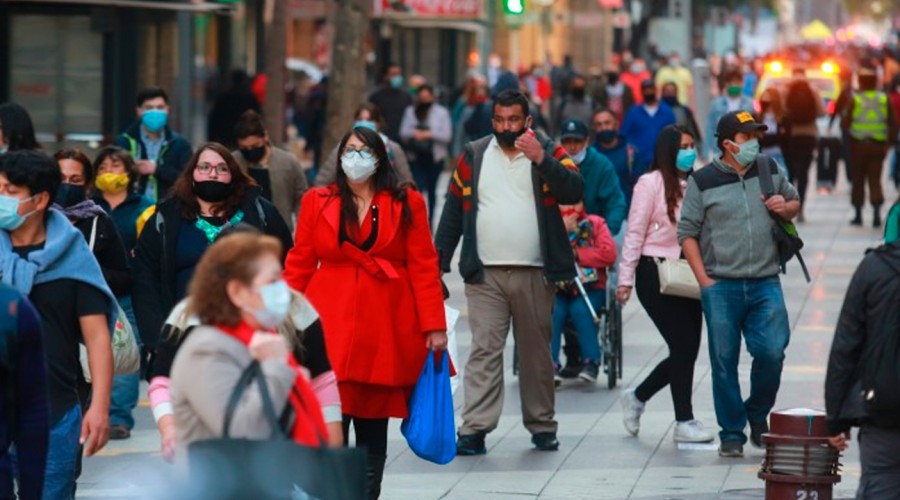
(309, 425)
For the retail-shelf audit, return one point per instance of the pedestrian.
(159, 153)
(634, 78)
(16, 128)
(24, 409)
(365, 240)
(473, 102)
(771, 114)
(367, 116)
(864, 358)
(392, 100)
(723, 216)
(684, 117)
(594, 251)
(730, 101)
(577, 105)
(427, 131)
(643, 123)
(239, 297)
(115, 191)
(277, 172)
(609, 142)
(212, 193)
(229, 107)
(615, 95)
(675, 73)
(509, 269)
(803, 106)
(651, 237)
(44, 257)
(869, 120)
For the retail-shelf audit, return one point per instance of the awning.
(196, 7)
(470, 25)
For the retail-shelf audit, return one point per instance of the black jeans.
(880, 463)
(425, 172)
(827, 156)
(679, 321)
(371, 433)
(798, 155)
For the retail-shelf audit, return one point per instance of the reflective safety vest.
(870, 115)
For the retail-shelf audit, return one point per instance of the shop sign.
(430, 8)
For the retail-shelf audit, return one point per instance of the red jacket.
(375, 306)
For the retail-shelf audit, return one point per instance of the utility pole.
(274, 20)
(347, 75)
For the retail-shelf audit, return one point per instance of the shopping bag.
(126, 354)
(452, 344)
(276, 468)
(430, 428)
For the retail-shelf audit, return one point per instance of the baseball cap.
(574, 129)
(738, 121)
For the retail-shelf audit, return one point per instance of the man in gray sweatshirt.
(725, 232)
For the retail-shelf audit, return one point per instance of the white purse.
(676, 278)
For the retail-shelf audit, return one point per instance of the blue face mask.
(685, 160)
(276, 299)
(748, 153)
(366, 124)
(396, 81)
(10, 220)
(155, 119)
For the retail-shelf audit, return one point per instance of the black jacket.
(154, 291)
(870, 314)
(110, 253)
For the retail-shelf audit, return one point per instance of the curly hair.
(233, 257)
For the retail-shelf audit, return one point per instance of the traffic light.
(514, 7)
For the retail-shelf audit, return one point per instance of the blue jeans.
(569, 307)
(62, 457)
(754, 307)
(125, 388)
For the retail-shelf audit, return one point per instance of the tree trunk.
(347, 75)
(275, 19)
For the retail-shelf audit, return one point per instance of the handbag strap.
(93, 233)
(253, 371)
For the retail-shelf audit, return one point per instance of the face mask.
(675, 63)
(578, 92)
(70, 195)
(253, 155)
(734, 91)
(747, 154)
(637, 68)
(607, 136)
(685, 159)
(357, 168)
(212, 191)
(3, 149)
(365, 124)
(649, 99)
(612, 78)
(508, 138)
(154, 119)
(110, 183)
(671, 100)
(276, 299)
(396, 81)
(10, 220)
(580, 156)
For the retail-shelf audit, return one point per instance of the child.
(594, 250)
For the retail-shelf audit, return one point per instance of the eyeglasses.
(220, 169)
(364, 153)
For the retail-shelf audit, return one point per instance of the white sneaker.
(632, 409)
(691, 432)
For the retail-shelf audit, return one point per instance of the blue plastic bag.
(430, 429)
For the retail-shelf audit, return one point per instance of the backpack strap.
(93, 238)
(262, 214)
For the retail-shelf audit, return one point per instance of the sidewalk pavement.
(597, 459)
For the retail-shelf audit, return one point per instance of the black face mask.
(253, 155)
(213, 191)
(508, 138)
(578, 92)
(70, 195)
(649, 98)
(612, 78)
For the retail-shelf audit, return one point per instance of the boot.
(374, 474)
(857, 221)
(876, 216)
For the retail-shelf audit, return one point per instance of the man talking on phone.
(726, 234)
(503, 202)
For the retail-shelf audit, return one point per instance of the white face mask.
(357, 168)
(276, 299)
(580, 156)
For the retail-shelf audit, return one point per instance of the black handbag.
(784, 233)
(276, 468)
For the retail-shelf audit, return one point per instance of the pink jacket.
(602, 252)
(650, 232)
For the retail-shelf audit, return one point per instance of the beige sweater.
(204, 373)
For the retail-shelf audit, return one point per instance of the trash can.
(799, 462)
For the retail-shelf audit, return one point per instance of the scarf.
(86, 209)
(309, 424)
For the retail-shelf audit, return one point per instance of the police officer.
(868, 120)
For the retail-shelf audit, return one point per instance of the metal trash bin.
(799, 463)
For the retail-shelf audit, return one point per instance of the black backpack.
(785, 234)
(802, 107)
(881, 375)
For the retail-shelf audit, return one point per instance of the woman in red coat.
(365, 259)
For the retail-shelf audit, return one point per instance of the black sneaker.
(545, 441)
(731, 449)
(571, 370)
(589, 372)
(757, 429)
(470, 444)
(118, 432)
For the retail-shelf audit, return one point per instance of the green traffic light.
(515, 6)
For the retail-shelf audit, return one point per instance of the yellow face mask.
(110, 183)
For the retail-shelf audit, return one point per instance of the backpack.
(785, 234)
(881, 375)
(802, 107)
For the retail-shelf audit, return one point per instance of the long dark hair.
(384, 178)
(184, 186)
(18, 130)
(664, 157)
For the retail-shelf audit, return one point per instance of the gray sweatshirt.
(726, 214)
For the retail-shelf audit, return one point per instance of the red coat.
(375, 306)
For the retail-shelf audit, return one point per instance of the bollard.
(799, 462)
